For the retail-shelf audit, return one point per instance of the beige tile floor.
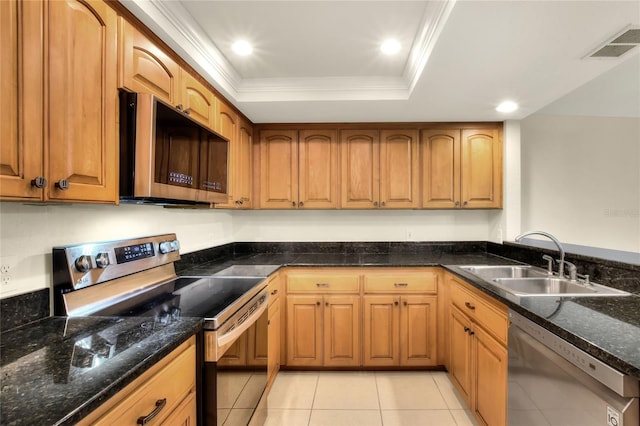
(365, 399)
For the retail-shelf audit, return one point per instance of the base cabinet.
(163, 395)
(478, 353)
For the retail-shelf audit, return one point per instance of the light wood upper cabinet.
(399, 169)
(380, 170)
(461, 168)
(21, 103)
(240, 137)
(197, 101)
(278, 169)
(81, 137)
(298, 169)
(144, 67)
(62, 91)
(360, 171)
(317, 169)
(481, 168)
(440, 154)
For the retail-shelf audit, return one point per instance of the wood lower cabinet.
(461, 168)
(323, 317)
(478, 352)
(60, 142)
(400, 330)
(168, 388)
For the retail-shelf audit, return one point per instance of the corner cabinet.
(60, 143)
(461, 168)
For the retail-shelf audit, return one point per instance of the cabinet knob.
(465, 203)
(179, 107)
(469, 306)
(471, 332)
(405, 303)
(39, 182)
(395, 303)
(457, 203)
(293, 203)
(326, 303)
(62, 184)
(187, 111)
(466, 329)
(318, 303)
(375, 204)
(300, 204)
(383, 204)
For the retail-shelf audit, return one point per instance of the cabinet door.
(243, 165)
(197, 101)
(399, 173)
(82, 103)
(342, 331)
(440, 154)
(278, 169)
(360, 168)
(381, 331)
(144, 67)
(460, 354)
(21, 102)
(481, 168)
(418, 335)
(227, 126)
(318, 169)
(490, 373)
(273, 363)
(304, 330)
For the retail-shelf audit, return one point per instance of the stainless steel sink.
(248, 271)
(524, 280)
(491, 272)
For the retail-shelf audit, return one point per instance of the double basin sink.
(525, 280)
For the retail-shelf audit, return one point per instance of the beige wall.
(581, 179)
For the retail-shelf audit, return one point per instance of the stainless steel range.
(137, 277)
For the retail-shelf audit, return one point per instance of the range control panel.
(83, 265)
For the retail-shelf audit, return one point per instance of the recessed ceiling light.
(242, 48)
(507, 106)
(390, 46)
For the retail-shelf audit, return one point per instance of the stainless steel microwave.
(168, 158)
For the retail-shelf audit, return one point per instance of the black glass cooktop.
(203, 297)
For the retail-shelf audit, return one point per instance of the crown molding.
(176, 27)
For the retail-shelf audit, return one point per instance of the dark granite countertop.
(57, 370)
(607, 328)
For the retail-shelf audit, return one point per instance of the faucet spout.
(555, 241)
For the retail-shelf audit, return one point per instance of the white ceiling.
(318, 61)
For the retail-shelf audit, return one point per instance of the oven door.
(236, 378)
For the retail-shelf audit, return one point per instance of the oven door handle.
(236, 332)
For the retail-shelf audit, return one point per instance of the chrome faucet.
(561, 261)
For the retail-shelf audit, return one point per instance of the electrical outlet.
(6, 268)
(5, 279)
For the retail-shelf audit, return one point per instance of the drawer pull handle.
(322, 284)
(159, 406)
(401, 284)
(469, 306)
(274, 292)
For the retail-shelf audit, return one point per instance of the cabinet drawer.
(397, 281)
(323, 282)
(169, 387)
(491, 316)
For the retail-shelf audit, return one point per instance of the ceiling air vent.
(620, 44)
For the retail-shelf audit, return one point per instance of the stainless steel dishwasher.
(552, 382)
